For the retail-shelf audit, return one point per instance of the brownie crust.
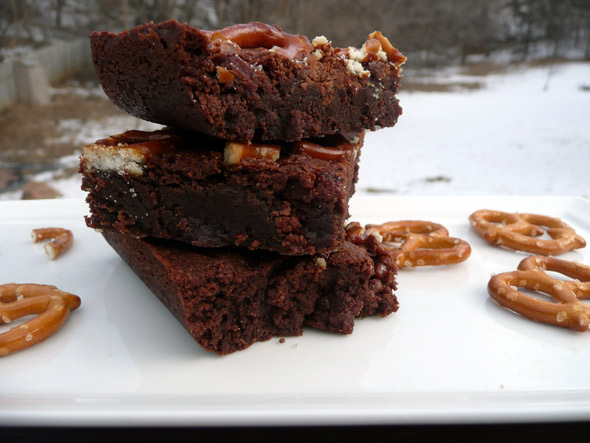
(248, 81)
(229, 299)
(181, 188)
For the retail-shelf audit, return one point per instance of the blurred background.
(496, 93)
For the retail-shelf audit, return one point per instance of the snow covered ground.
(525, 132)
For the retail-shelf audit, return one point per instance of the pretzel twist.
(577, 271)
(421, 243)
(51, 306)
(568, 311)
(62, 240)
(521, 231)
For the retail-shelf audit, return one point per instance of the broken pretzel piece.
(421, 243)
(62, 240)
(51, 306)
(234, 152)
(569, 311)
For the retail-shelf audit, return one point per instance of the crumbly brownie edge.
(233, 307)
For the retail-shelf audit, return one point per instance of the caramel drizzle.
(261, 35)
(158, 142)
(320, 152)
(144, 142)
(234, 152)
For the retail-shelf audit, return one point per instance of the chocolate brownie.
(229, 299)
(249, 81)
(290, 197)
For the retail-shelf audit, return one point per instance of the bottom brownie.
(230, 299)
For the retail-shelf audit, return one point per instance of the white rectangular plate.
(449, 355)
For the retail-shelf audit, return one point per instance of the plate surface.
(449, 355)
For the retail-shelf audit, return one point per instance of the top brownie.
(249, 81)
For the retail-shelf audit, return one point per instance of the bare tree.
(430, 31)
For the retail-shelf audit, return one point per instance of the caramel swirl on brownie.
(324, 152)
(261, 35)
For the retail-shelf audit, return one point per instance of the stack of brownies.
(234, 214)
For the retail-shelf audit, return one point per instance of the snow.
(524, 132)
